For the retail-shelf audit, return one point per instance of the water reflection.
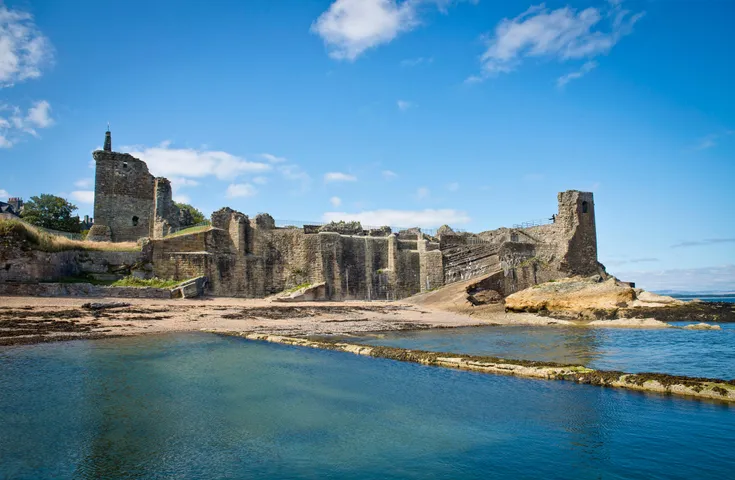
(194, 406)
(674, 351)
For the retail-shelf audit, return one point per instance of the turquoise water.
(706, 298)
(694, 353)
(202, 406)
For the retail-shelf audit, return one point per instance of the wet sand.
(26, 320)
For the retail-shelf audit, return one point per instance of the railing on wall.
(534, 223)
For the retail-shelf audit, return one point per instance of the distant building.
(12, 208)
(87, 223)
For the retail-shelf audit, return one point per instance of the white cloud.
(4, 194)
(260, 180)
(586, 68)
(389, 174)
(339, 177)
(182, 198)
(404, 105)
(294, 173)
(718, 278)
(562, 34)
(273, 158)
(402, 218)
(39, 114)
(335, 201)
(453, 187)
(24, 50)
(236, 190)
(14, 124)
(422, 193)
(170, 162)
(83, 196)
(414, 62)
(84, 183)
(350, 27)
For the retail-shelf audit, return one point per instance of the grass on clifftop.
(52, 243)
(139, 282)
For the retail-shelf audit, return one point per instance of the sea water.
(205, 406)
(676, 351)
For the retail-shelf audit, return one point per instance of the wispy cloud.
(414, 62)
(332, 177)
(717, 278)
(84, 183)
(422, 193)
(402, 218)
(260, 180)
(4, 194)
(335, 201)
(273, 158)
(351, 27)
(237, 190)
(163, 160)
(24, 50)
(83, 196)
(703, 242)
(562, 34)
(404, 105)
(585, 69)
(616, 263)
(713, 139)
(389, 174)
(453, 187)
(294, 173)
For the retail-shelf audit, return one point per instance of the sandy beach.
(26, 320)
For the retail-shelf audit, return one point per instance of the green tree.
(189, 215)
(50, 211)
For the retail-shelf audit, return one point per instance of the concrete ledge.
(705, 388)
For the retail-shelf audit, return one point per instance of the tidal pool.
(204, 406)
(694, 353)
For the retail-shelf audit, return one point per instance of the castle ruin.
(251, 257)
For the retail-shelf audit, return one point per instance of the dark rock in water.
(691, 311)
(104, 305)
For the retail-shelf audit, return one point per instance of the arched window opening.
(135, 221)
(585, 207)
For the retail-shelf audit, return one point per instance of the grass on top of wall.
(190, 230)
(52, 243)
(139, 282)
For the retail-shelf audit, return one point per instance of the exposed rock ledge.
(593, 299)
(648, 382)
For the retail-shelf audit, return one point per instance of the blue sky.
(472, 113)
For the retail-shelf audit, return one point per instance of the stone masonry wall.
(124, 195)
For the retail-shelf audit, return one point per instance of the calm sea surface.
(695, 353)
(202, 406)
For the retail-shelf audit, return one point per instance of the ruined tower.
(576, 221)
(125, 197)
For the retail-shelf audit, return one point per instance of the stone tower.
(129, 203)
(576, 221)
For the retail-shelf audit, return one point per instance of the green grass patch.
(139, 282)
(296, 288)
(190, 230)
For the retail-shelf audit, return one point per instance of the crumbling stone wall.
(166, 215)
